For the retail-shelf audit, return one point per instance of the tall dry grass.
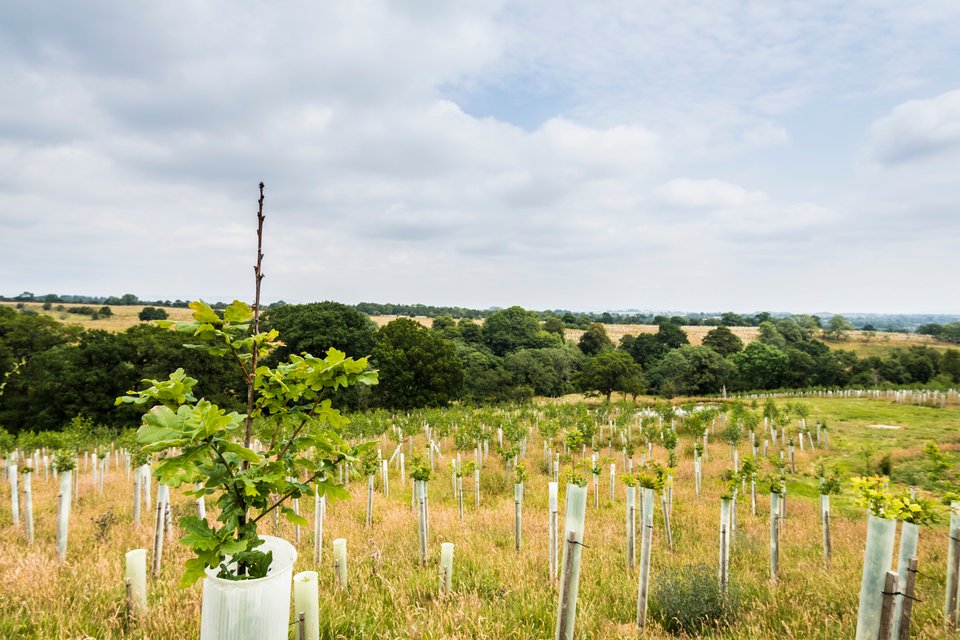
(497, 592)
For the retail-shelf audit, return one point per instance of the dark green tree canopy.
(549, 372)
(723, 341)
(671, 335)
(515, 328)
(417, 367)
(594, 340)
(315, 327)
(691, 370)
(611, 370)
(761, 366)
(151, 313)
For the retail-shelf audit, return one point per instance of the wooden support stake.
(907, 596)
(889, 606)
(301, 626)
(129, 600)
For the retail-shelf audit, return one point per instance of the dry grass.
(498, 593)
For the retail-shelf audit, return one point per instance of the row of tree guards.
(885, 606)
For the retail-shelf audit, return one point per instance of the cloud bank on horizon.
(553, 154)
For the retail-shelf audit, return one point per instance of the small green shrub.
(690, 600)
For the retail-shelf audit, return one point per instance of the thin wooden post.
(888, 607)
(908, 598)
(301, 626)
(158, 531)
(128, 587)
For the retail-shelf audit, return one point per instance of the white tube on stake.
(553, 509)
(572, 549)
(12, 472)
(646, 541)
(28, 506)
(909, 534)
(340, 562)
(319, 507)
(446, 568)
(306, 599)
(876, 562)
(136, 570)
(63, 513)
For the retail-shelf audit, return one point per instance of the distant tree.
(485, 378)
(470, 332)
(129, 298)
(106, 312)
(838, 327)
(315, 327)
(152, 313)
(723, 341)
(446, 326)
(691, 370)
(417, 367)
(594, 340)
(646, 349)
(549, 372)
(950, 364)
(671, 335)
(761, 366)
(515, 328)
(611, 370)
(554, 325)
(731, 319)
(770, 334)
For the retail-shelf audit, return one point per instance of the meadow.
(499, 592)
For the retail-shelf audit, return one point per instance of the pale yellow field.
(123, 316)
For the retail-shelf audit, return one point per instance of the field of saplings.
(821, 516)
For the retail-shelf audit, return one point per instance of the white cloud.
(706, 194)
(456, 152)
(917, 129)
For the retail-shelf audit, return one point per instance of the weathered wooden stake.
(888, 606)
(908, 598)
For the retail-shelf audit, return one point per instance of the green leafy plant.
(873, 492)
(64, 460)
(419, 469)
(829, 480)
(288, 408)
(520, 473)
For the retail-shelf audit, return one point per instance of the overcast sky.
(663, 154)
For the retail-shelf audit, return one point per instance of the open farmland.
(124, 316)
(864, 343)
(499, 592)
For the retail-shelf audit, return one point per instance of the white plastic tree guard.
(257, 609)
(306, 601)
(876, 563)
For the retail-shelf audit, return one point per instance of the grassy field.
(122, 319)
(499, 593)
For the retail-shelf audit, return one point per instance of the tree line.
(51, 372)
